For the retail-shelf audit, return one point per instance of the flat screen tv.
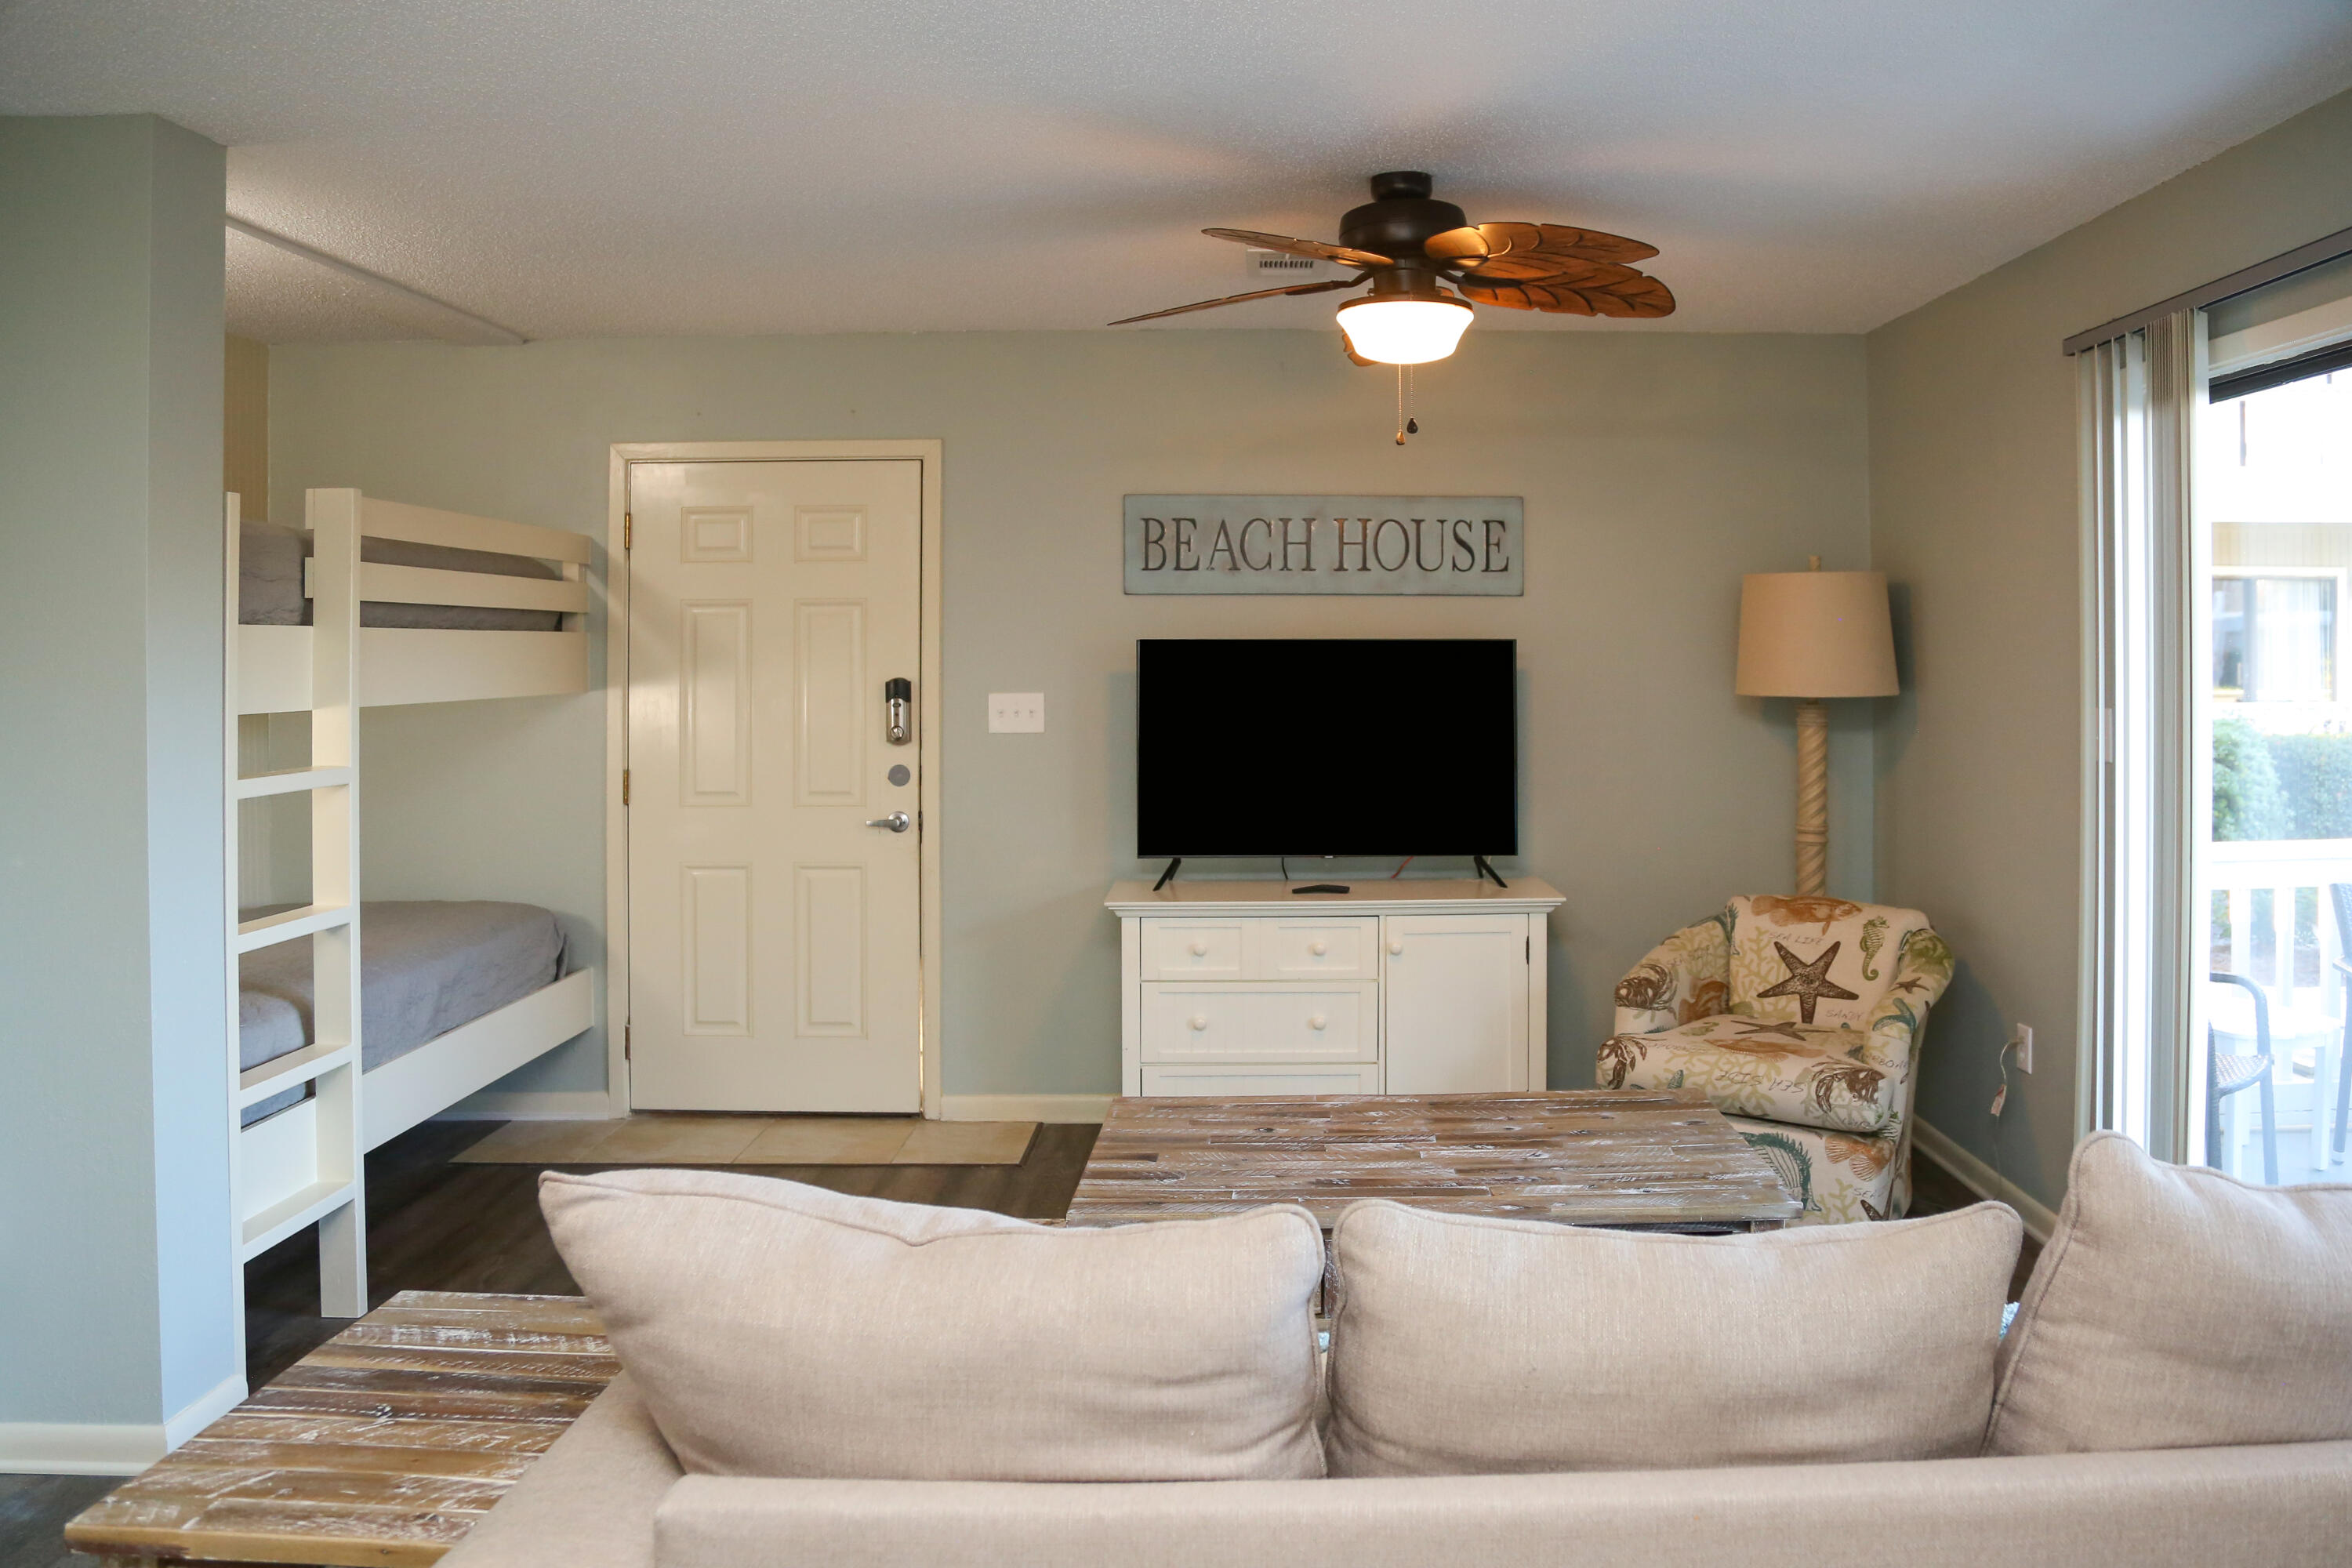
(1403, 746)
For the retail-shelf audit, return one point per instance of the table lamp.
(1814, 634)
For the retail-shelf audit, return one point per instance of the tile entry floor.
(693, 1138)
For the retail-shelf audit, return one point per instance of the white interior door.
(774, 940)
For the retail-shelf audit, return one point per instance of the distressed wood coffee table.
(1598, 1157)
(379, 1449)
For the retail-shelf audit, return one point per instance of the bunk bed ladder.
(305, 1165)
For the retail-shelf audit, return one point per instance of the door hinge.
(625, 786)
(1529, 955)
(628, 529)
(626, 1044)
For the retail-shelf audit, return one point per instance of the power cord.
(2000, 1101)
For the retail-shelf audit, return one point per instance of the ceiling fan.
(1408, 246)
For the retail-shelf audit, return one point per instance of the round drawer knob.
(1317, 1021)
(1199, 950)
(1396, 944)
(1200, 1020)
(1316, 948)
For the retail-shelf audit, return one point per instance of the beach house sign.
(1326, 544)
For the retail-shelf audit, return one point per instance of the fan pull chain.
(1406, 425)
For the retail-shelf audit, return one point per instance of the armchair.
(1800, 1018)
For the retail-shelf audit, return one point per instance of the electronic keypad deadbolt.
(897, 698)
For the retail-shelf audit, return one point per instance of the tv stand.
(1241, 990)
(1169, 874)
(1479, 861)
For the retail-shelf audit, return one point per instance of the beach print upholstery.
(1800, 1019)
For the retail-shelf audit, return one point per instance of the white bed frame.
(305, 1165)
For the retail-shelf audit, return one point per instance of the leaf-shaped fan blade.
(1642, 297)
(1464, 247)
(1237, 298)
(1639, 296)
(1525, 250)
(1289, 247)
(1527, 297)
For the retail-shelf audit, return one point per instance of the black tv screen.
(1326, 747)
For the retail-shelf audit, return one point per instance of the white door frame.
(616, 723)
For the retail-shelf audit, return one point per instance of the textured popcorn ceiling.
(719, 166)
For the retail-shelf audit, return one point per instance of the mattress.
(270, 583)
(426, 968)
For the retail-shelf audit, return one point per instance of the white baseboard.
(1983, 1180)
(89, 1448)
(1025, 1107)
(204, 1412)
(531, 1105)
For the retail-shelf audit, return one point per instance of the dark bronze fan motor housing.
(1407, 244)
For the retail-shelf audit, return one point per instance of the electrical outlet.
(2021, 1039)
(1016, 712)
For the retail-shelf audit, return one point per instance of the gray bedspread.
(426, 968)
(270, 583)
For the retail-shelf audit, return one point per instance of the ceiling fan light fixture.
(1393, 329)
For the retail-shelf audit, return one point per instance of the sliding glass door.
(2217, 959)
(2272, 534)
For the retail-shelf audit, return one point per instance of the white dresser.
(1392, 987)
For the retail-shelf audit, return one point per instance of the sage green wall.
(1975, 511)
(116, 1303)
(1656, 469)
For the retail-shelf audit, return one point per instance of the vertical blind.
(2137, 392)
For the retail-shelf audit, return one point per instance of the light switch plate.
(1016, 712)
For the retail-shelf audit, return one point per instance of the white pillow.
(2178, 1308)
(781, 1329)
(1473, 1346)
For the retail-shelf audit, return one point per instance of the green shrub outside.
(2247, 801)
(2315, 779)
(2280, 786)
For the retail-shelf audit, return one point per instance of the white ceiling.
(572, 167)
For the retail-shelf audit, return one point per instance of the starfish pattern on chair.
(1772, 1032)
(1807, 983)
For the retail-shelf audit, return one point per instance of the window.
(2275, 636)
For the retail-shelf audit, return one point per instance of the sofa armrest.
(1685, 977)
(2274, 1507)
(588, 1501)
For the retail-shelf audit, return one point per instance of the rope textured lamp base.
(1812, 798)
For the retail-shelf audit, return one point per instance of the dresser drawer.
(1182, 949)
(1225, 1082)
(1293, 1023)
(1313, 948)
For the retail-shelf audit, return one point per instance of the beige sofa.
(2116, 1348)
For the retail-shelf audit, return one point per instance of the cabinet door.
(1453, 993)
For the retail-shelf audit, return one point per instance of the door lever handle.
(896, 822)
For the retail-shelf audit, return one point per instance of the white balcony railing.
(2258, 938)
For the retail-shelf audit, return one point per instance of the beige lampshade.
(1815, 634)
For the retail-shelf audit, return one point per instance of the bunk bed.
(389, 1013)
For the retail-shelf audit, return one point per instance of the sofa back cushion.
(2178, 1307)
(781, 1329)
(1466, 1345)
(1816, 960)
